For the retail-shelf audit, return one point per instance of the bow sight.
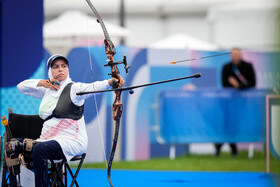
(111, 64)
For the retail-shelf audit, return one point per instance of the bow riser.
(117, 105)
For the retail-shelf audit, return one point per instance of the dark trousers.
(233, 147)
(43, 151)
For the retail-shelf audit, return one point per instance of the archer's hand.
(51, 83)
(116, 83)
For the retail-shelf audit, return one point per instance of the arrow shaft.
(193, 59)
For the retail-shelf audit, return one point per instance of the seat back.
(25, 126)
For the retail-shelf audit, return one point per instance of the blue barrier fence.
(211, 115)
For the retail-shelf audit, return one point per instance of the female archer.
(64, 134)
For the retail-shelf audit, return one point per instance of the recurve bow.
(117, 104)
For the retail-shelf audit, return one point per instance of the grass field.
(199, 163)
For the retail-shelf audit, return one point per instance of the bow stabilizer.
(130, 88)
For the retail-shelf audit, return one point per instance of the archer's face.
(59, 70)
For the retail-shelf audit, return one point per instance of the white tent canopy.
(241, 7)
(75, 29)
(246, 25)
(79, 25)
(180, 41)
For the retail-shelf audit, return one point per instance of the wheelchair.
(30, 126)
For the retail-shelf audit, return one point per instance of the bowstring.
(95, 100)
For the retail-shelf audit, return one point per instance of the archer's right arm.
(30, 87)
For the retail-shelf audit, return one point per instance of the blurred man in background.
(238, 74)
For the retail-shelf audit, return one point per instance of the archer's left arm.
(95, 86)
(87, 87)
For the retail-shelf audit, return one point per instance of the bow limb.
(117, 112)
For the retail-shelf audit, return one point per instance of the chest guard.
(65, 108)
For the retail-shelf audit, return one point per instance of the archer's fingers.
(47, 84)
(55, 81)
(121, 82)
(54, 87)
(54, 84)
